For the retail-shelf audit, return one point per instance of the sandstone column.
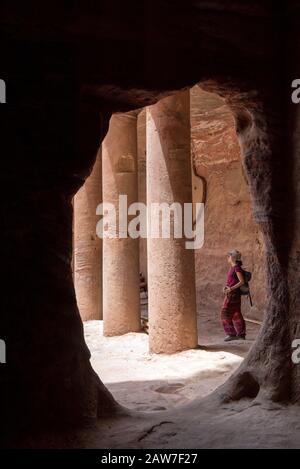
(141, 146)
(87, 260)
(171, 267)
(121, 294)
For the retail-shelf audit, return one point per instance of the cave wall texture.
(67, 68)
(228, 215)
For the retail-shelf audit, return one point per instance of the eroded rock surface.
(67, 68)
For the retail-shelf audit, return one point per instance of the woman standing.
(231, 316)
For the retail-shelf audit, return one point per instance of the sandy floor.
(154, 385)
(145, 382)
(204, 423)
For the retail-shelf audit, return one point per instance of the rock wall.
(228, 215)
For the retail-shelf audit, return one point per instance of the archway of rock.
(57, 90)
(137, 379)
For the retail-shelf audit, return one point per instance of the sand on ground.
(150, 382)
(169, 400)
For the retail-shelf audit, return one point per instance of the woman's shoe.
(228, 338)
(242, 337)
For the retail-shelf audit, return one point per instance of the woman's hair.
(240, 263)
(236, 255)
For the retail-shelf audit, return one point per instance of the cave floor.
(142, 381)
(173, 400)
(204, 423)
(167, 400)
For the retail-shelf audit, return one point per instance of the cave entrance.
(120, 352)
